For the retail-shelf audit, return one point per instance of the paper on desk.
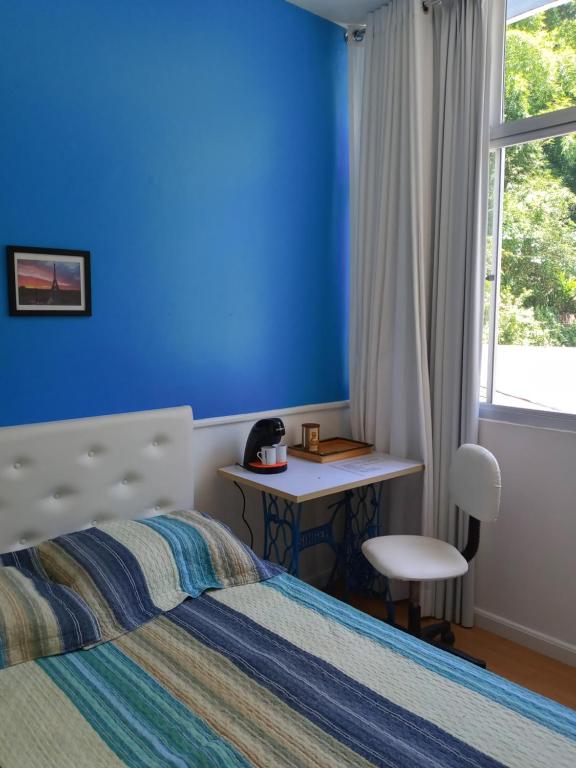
(366, 465)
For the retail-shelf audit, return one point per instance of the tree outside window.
(535, 336)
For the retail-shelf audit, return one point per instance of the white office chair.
(474, 486)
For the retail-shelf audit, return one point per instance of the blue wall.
(198, 150)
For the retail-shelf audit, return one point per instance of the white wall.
(526, 567)
(220, 441)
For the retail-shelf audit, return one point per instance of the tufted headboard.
(62, 476)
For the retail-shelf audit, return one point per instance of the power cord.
(246, 523)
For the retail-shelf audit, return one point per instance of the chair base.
(439, 634)
(442, 629)
(461, 654)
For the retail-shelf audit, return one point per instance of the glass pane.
(540, 59)
(535, 364)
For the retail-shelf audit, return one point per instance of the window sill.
(528, 417)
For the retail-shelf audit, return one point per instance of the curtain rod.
(427, 4)
(359, 33)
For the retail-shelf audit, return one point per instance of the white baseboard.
(531, 638)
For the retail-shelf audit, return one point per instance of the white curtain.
(461, 60)
(390, 265)
(417, 220)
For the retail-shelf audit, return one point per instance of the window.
(529, 344)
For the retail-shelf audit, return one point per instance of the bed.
(242, 665)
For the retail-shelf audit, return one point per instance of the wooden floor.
(515, 662)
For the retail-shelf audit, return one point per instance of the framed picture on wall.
(48, 281)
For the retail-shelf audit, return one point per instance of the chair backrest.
(475, 482)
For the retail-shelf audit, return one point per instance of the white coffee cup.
(267, 454)
(281, 454)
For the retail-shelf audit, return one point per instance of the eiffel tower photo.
(49, 281)
(55, 294)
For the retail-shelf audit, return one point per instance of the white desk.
(307, 480)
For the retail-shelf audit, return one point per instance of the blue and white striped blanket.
(272, 674)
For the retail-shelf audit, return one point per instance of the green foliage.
(518, 324)
(541, 63)
(538, 292)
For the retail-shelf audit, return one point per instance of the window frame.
(502, 135)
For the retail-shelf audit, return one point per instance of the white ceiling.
(354, 11)
(340, 11)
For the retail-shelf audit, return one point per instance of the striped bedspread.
(272, 674)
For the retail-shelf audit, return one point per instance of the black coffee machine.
(264, 432)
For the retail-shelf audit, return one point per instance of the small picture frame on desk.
(48, 281)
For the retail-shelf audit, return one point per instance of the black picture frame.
(40, 298)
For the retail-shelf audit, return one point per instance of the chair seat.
(414, 558)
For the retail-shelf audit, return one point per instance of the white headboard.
(62, 476)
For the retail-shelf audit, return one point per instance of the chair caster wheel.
(448, 638)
